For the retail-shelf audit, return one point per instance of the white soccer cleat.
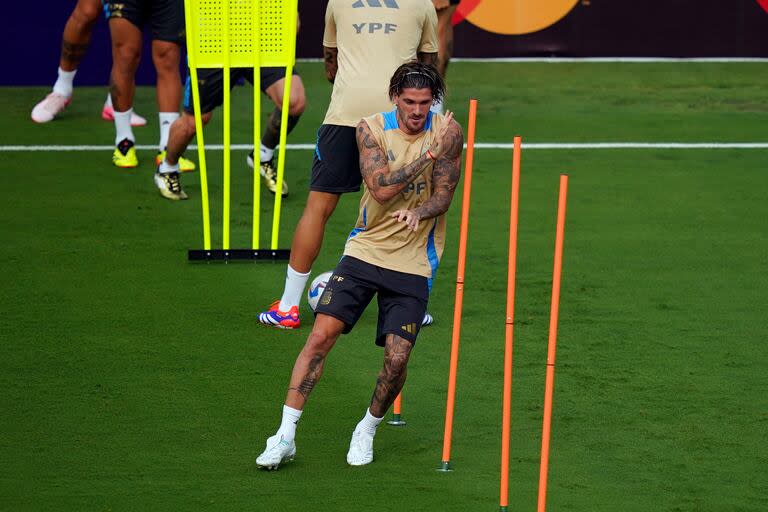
(47, 110)
(276, 452)
(169, 185)
(108, 114)
(360, 449)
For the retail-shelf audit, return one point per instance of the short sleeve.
(428, 42)
(329, 35)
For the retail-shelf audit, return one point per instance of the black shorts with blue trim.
(402, 298)
(336, 165)
(165, 17)
(211, 84)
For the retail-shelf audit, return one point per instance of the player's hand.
(410, 217)
(442, 139)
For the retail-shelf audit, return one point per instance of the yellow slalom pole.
(191, 60)
(227, 121)
(284, 128)
(256, 44)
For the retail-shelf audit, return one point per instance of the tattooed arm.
(445, 178)
(384, 183)
(331, 65)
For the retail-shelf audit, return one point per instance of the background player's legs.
(308, 237)
(307, 240)
(445, 44)
(271, 136)
(388, 385)
(307, 371)
(126, 53)
(180, 134)
(166, 57)
(74, 44)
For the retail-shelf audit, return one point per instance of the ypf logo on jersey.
(374, 27)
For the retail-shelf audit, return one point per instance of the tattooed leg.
(392, 376)
(309, 365)
(77, 33)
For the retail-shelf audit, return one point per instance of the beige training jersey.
(373, 38)
(380, 239)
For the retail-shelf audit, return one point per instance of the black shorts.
(336, 165)
(402, 298)
(165, 17)
(211, 84)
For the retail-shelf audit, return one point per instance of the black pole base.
(227, 255)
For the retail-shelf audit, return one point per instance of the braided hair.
(417, 75)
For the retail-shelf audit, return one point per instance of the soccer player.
(360, 56)
(74, 44)
(445, 10)
(211, 87)
(126, 20)
(410, 163)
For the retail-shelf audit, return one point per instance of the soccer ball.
(316, 289)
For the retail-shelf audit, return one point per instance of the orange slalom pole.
(397, 420)
(554, 310)
(509, 331)
(445, 465)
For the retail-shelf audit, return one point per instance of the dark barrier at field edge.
(593, 28)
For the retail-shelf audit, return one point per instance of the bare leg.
(296, 105)
(182, 131)
(77, 33)
(308, 237)
(166, 57)
(392, 376)
(445, 38)
(126, 53)
(309, 364)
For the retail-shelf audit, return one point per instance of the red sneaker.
(280, 319)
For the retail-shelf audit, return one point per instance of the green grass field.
(133, 380)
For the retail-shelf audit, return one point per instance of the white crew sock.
(265, 153)
(294, 288)
(63, 84)
(288, 425)
(123, 126)
(368, 423)
(166, 120)
(108, 102)
(166, 168)
(437, 107)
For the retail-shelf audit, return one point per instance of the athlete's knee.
(186, 123)
(127, 57)
(319, 343)
(321, 205)
(166, 58)
(87, 12)
(297, 104)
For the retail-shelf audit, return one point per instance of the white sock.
(369, 423)
(265, 154)
(108, 102)
(63, 84)
(123, 126)
(437, 107)
(294, 288)
(166, 168)
(166, 120)
(288, 425)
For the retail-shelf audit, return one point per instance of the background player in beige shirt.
(398, 151)
(364, 42)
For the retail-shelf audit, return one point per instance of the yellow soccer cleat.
(124, 155)
(185, 165)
